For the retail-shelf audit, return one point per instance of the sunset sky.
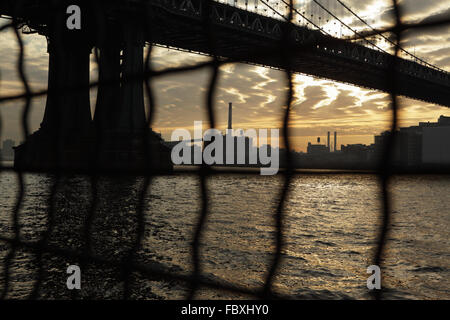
(257, 93)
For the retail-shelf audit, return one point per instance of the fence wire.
(129, 263)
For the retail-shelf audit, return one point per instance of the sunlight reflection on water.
(330, 227)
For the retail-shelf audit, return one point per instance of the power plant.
(247, 142)
(335, 141)
(328, 141)
(321, 148)
(236, 148)
(230, 110)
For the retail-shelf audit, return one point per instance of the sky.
(257, 93)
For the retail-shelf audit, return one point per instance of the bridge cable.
(304, 17)
(351, 29)
(386, 38)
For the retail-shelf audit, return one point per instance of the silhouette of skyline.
(257, 92)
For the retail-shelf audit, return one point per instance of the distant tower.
(230, 106)
(335, 141)
(328, 140)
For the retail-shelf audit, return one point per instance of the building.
(7, 151)
(239, 143)
(436, 145)
(414, 146)
(317, 148)
(241, 153)
(358, 153)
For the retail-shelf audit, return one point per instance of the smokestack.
(230, 106)
(335, 141)
(328, 140)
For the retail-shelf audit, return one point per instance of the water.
(330, 227)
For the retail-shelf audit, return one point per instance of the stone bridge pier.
(63, 139)
(117, 136)
(120, 98)
(67, 109)
(107, 108)
(119, 119)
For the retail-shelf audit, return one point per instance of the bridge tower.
(121, 131)
(64, 134)
(107, 109)
(120, 106)
(132, 111)
(67, 112)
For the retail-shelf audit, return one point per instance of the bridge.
(120, 30)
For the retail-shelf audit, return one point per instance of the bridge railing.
(240, 15)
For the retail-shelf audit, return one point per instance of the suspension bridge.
(323, 38)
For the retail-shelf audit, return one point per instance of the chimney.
(328, 140)
(230, 106)
(335, 141)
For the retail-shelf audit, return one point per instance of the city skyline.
(257, 92)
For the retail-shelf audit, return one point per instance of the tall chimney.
(230, 106)
(335, 141)
(328, 140)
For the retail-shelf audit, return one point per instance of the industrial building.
(422, 145)
(425, 145)
(321, 148)
(436, 143)
(238, 142)
(241, 153)
(317, 148)
(7, 150)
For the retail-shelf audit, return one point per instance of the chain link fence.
(129, 262)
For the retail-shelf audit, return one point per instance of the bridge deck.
(256, 39)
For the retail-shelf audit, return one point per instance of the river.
(331, 222)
